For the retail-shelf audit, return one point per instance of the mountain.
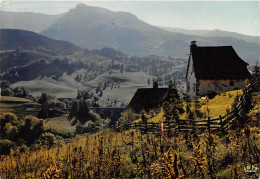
(35, 22)
(97, 27)
(214, 33)
(13, 39)
(94, 27)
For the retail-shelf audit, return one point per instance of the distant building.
(147, 98)
(214, 69)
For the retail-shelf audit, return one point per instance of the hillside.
(20, 106)
(108, 78)
(13, 39)
(212, 108)
(44, 65)
(131, 154)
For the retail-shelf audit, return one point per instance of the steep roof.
(218, 63)
(147, 98)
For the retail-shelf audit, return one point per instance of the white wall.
(207, 86)
(191, 80)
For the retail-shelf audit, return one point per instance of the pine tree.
(256, 71)
(256, 77)
(173, 104)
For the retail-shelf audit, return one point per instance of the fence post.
(209, 125)
(168, 128)
(146, 127)
(193, 125)
(178, 123)
(236, 110)
(221, 124)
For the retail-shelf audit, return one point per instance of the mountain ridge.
(94, 27)
(30, 21)
(215, 32)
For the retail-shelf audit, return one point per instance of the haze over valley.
(91, 48)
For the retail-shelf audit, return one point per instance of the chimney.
(193, 45)
(155, 85)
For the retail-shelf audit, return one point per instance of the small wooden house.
(214, 69)
(148, 98)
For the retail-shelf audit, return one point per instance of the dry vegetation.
(129, 154)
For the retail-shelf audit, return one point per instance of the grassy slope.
(59, 124)
(14, 104)
(17, 105)
(65, 86)
(220, 103)
(217, 106)
(123, 91)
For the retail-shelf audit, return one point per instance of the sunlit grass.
(219, 105)
(14, 99)
(59, 124)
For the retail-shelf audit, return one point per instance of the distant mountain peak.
(81, 5)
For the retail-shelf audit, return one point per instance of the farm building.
(214, 69)
(147, 98)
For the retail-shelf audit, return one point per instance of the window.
(231, 83)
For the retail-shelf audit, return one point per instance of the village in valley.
(103, 100)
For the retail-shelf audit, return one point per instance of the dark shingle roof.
(147, 98)
(218, 63)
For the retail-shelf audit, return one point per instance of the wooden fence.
(221, 124)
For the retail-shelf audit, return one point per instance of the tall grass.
(130, 154)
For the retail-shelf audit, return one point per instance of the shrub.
(44, 98)
(47, 139)
(7, 92)
(5, 84)
(5, 146)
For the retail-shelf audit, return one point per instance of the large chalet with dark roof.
(214, 69)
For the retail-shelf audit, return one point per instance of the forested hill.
(14, 39)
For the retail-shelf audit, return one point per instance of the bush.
(32, 129)
(8, 118)
(44, 98)
(5, 146)
(212, 95)
(47, 139)
(5, 84)
(21, 92)
(56, 104)
(7, 92)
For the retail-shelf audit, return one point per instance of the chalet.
(214, 69)
(147, 98)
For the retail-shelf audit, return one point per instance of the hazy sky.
(235, 16)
